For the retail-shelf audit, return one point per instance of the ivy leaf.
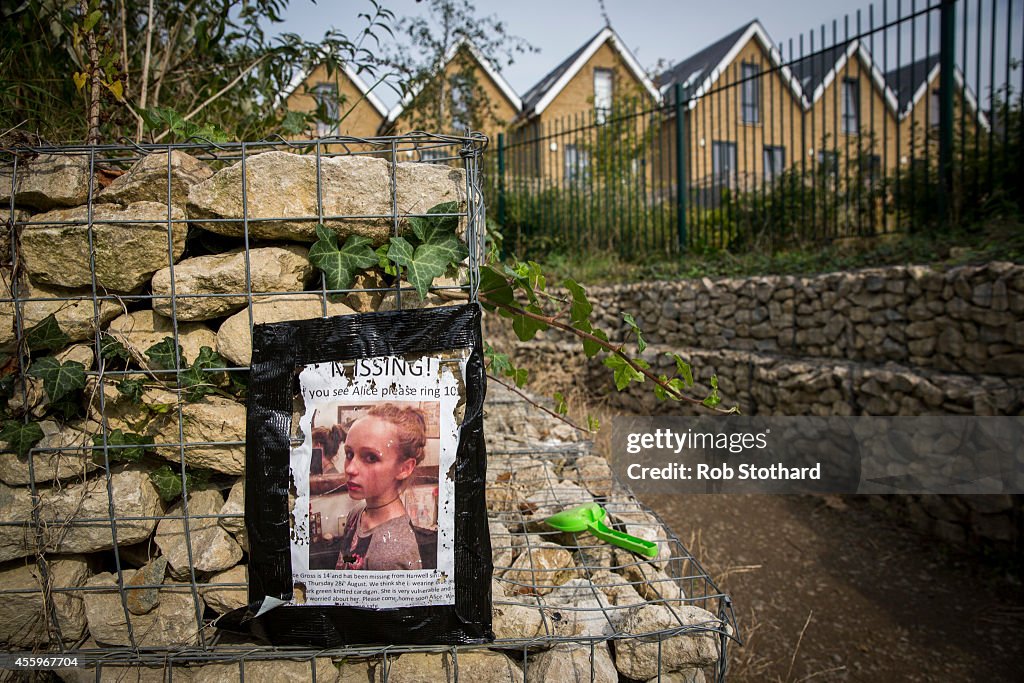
(590, 347)
(383, 262)
(581, 307)
(46, 335)
(131, 389)
(198, 381)
(58, 378)
(593, 424)
(162, 354)
(713, 398)
(21, 436)
(659, 390)
(111, 348)
(427, 261)
(526, 327)
(624, 373)
(495, 287)
(340, 265)
(80, 79)
(561, 405)
(501, 364)
(67, 406)
(131, 445)
(683, 368)
(167, 483)
(641, 343)
(433, 228)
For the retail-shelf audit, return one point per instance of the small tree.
(439, 71)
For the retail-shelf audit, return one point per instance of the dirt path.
(885, 603)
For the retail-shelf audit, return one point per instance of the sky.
(659, 32)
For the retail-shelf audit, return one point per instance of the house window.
(602, 94)
(577, 163)
(774, 161)
(829, 162)
(851, 106)
(751, 93)
(933, 112)
(460, 108)
(723, 161)
(870, 168)
(326, 97)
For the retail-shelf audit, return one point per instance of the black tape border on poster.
(278, 350)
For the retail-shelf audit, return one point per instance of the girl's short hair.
(412, 428)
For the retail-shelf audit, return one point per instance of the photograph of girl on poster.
(373, 463)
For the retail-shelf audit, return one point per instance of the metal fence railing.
(898, 118)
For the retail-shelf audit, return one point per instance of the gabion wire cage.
(85, 482)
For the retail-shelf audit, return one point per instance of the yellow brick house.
(347, 104)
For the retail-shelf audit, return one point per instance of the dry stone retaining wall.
(902, 340)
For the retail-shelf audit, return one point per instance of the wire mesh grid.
(78, 528)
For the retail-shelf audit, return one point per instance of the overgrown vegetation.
(99, 70)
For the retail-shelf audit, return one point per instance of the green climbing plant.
(516, 291)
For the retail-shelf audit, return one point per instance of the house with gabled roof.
(469, 92)
(916, 89)
(343, 102)
(851, 123)
(587, 87)
(743, 110)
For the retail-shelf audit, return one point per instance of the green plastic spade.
(590, 517)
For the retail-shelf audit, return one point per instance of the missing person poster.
(373, 521)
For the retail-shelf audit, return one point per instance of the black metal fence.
(902, 117)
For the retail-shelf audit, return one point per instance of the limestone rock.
(652, 584)
(504, 546)
(280, 184)
(539, 569)
(593, 473)
(574, 662)
(24, 617)
(233, 339)
(143, 592)
(7, 320)
(621, 593)
(681, 676)
(75, 318)
(171, 624)
(213, 549)
(479, 666)
(47, 181)
(146, 180)
(410, 300)
(269, 671)
(223, 599)
(143, 329)
(271, 269)
(513, 620)
(587, 618)
(133, 496)
(127, 254)
(210, 420)
(56, 464)
(119, 672)
(364, 298)
(234, 505)
(635, 658)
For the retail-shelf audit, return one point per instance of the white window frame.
(750, 108)
(851, 114)
(604, 93)
(773, 153)
(333, 107)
